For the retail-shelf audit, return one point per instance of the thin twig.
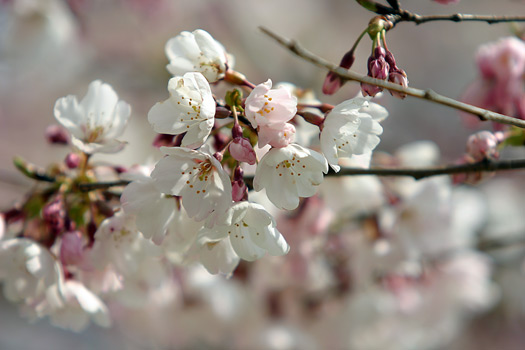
(406, 16)
(86, 187)
(482, 166)
(429, 95)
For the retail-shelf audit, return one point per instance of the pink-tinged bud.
(312, 118)
(389, 58)
(446, 2)
(218, 156)
(239, 191)
(72, 248)
(370, 90)
(236, 131)
(72, 160)
(166, 140)
(242, 150)
(222, 112)
(333, 82)
(54, 214)
(238, 174)
(56, 135)
(398, 76)
(378, 68)
(482, 145)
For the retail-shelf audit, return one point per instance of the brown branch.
(86, 187)
(406, 16)
(429, 95)
(482, 166)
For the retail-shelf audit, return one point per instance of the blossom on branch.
(351, 128)
(197, 51)
(190, 109)
(95, 122)
(198, 178)
(289, 173)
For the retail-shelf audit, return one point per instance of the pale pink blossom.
(241, 149)
(266, 106)
(482, 145)
(276, 135)
(72, 248)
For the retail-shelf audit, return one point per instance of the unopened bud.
(399, 77)
(218, 156)
(72, 160)
(56, 135)
(222, 112)
(236, 131)
(166, 140)
(72, 248)
(333, 82)
(242, 150)
(53, 213)
(239, 191)
(482, 145)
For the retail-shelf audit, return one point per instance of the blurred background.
(49, 49)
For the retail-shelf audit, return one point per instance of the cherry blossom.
(79, 307)
(198, 178)
(27, 269)
(269, 107)
(289, 173)
(197, 51)
(95, 122)
(251, 230)
(190, 109)
(350, 128)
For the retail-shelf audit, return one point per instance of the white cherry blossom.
(289, 173)
(190, 109)
(95, 122)
(81, 305)
(351, 128)
(197, 51)
(217, 256)
(198, 178)
(119, 244)
(27, 269)
(251, 230)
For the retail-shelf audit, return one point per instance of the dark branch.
(429, 95)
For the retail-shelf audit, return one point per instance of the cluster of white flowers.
(193, 208)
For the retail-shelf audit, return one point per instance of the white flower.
(196, 52)
(190, 109)
(80, 306)
(251, 230)
(27, 269)
(154, 211)
(198, 178)
(96, 121)
(215, 256)
(119, 244)
(289, 173)
(352, 127)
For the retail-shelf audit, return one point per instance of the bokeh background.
(49, 49)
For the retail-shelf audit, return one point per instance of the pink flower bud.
(72, 248)
(399, 77)
(370, 90)
(56, 135)
(163, 140)
(333, 82)
(53, 213)
(378, 68)
(72, 160)
(236, 131)
(242, 150)
(239, 191)
(482, 145)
